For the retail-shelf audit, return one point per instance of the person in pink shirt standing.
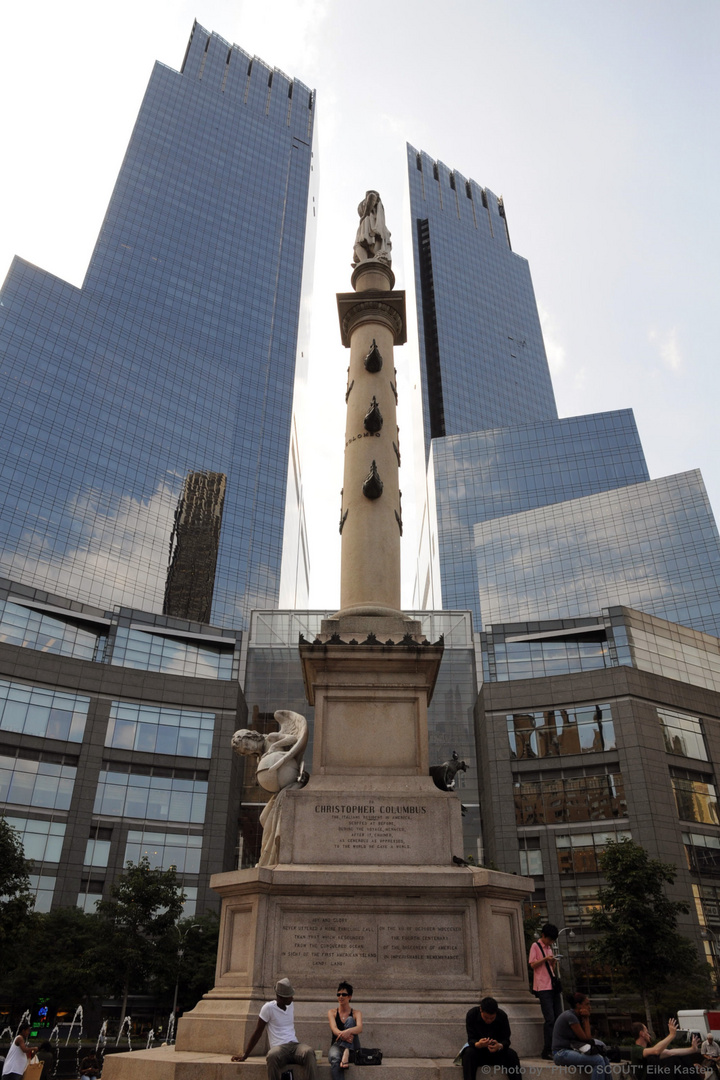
(546, 983)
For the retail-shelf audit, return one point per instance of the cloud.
(555, 351)
(668, 347)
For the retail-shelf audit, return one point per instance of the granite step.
(166, 1063)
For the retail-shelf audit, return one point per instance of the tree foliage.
(16, 900)
(637, 922)
(143, 907)
(62, 964)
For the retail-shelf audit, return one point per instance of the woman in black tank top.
(345, 1024)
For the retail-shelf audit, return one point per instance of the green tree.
(638, 923)
(16, 900)
(62, 964)
(144, 904)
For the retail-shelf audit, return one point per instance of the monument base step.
(166, 1063)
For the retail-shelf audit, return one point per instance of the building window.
(696, 800)
(43, 886)
(50, 714)
(156, 730)
(508, 660)
(702, 853)
(682, 734)
(36, 783)
(160, 798)
(555, 732)
(580, 798)
(707, 905)
(190, 903)
(97, 851)
(536, 907)
(42, 840)
(579, 903)
(156, 652)
(181, 850)
(91, 890)
(53, 634)
(577, 853)
(531, 864)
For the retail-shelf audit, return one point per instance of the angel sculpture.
(279, 766)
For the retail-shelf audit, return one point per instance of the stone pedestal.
(365, 888)
(420, 945)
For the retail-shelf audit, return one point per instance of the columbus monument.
(357, 879)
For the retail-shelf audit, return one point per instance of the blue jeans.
(335, 1054)
(600, 1065)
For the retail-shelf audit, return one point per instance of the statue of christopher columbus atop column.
(372, 240)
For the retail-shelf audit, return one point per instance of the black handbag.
(368, 1056)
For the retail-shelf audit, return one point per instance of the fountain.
(128, 1021)
(54, 1040)
(101, 1041)
(26, 1018)
(78, 1013)
(171, 1029)
(150, 1039)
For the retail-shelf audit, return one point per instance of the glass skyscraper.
(482, 354)
(529, 516)
(178, 358)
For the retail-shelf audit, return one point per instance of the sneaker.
(547, 1055)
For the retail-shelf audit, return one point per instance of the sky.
(596, 120)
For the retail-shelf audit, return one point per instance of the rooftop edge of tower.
(249, 80)
(449, 190)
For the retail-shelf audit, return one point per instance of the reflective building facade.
(503, 471)
(528, 515)
(115, 731)
(654, 545)
(178, 356)
(596, 729)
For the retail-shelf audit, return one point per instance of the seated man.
(278, 1017)
(488, 1034)
(646, 1059)
(710, 1051)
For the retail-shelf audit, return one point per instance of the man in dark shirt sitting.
(488, 1034)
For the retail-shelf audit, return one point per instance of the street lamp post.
(571, 934)
(182, 935)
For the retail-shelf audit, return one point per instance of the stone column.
(372, 322)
